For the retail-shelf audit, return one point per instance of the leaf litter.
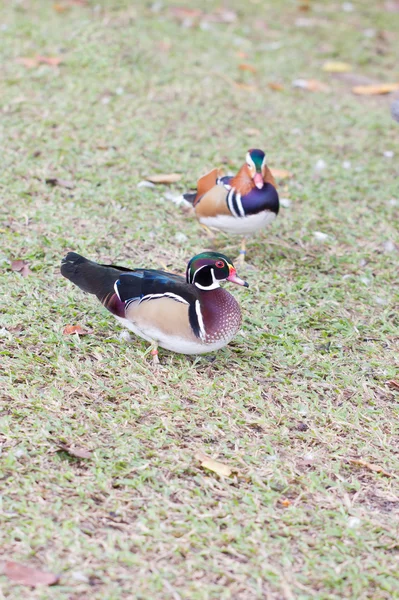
(24, 575)
(164, 178)
(71, 329)
(217, 467)
(74, 451)
(35, 61)
(21, 267)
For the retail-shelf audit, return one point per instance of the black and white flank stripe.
(234, 203)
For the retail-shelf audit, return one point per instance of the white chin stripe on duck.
(240, 226)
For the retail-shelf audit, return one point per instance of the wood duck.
(190, 315)
(240, 204)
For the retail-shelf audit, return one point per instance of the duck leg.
(211, 234)
(241, 257)
(154, 354)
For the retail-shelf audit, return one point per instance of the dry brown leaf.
(164, 178)
(245, 86)
(214, 465)
(67, 4)
(16, 265)
(252, 131)
(24, 575)
(284, 502)
(273, 85)
(304, 6)
(374, 90)
(370, 466)
(76, 452)
(71, 329)
(185, 14)
(164, 45)
(21, 266)
(60, 8)
(392, 383)
(337, 67)
(311, 85)
(27, 62)
(247, 67)
(281, 173)
(53, 61)
(220, 15)
(60, 182)
(35, 61)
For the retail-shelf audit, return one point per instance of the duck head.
(256, 166)
(208, 269)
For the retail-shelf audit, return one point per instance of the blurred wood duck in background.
(191, 315)
(240, 204)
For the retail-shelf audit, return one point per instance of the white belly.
(173, 343)
(240, 225)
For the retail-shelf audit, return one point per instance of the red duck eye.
(219, 264)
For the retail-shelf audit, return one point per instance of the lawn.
(303, 405)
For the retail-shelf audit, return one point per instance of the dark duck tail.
(93, 278)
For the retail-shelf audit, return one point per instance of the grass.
(300, 392)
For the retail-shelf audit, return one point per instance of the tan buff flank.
(165, 314)
(213, 203)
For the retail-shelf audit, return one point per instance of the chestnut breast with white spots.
(221, 315)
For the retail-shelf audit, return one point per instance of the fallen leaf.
(273, 85)
(60, 8)
(221, 15)
(16, 265)
(35, 61)
(214, 465)
(393, 384)
(164, 178)
(76, 452)
(60, 182)
(24, 575)
(67, 4)
(281, 173)
(21, 266)
(337, 67)
(304, 6)
(29, 63)
(71, 329)
(185, 14)
(311, 85)
(370, 466)
(53, 61)
(252, 131)
(164, 45)
(247, 67)
(374, 90)
(245, 86)
(284, 502)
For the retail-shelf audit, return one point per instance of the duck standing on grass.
(191, 315)
(240, 204)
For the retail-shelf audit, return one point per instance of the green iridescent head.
(256, 164)
(207, 269)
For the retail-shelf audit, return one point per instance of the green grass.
(299, 392)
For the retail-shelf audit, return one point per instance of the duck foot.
(154, 354)
(211, 234)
